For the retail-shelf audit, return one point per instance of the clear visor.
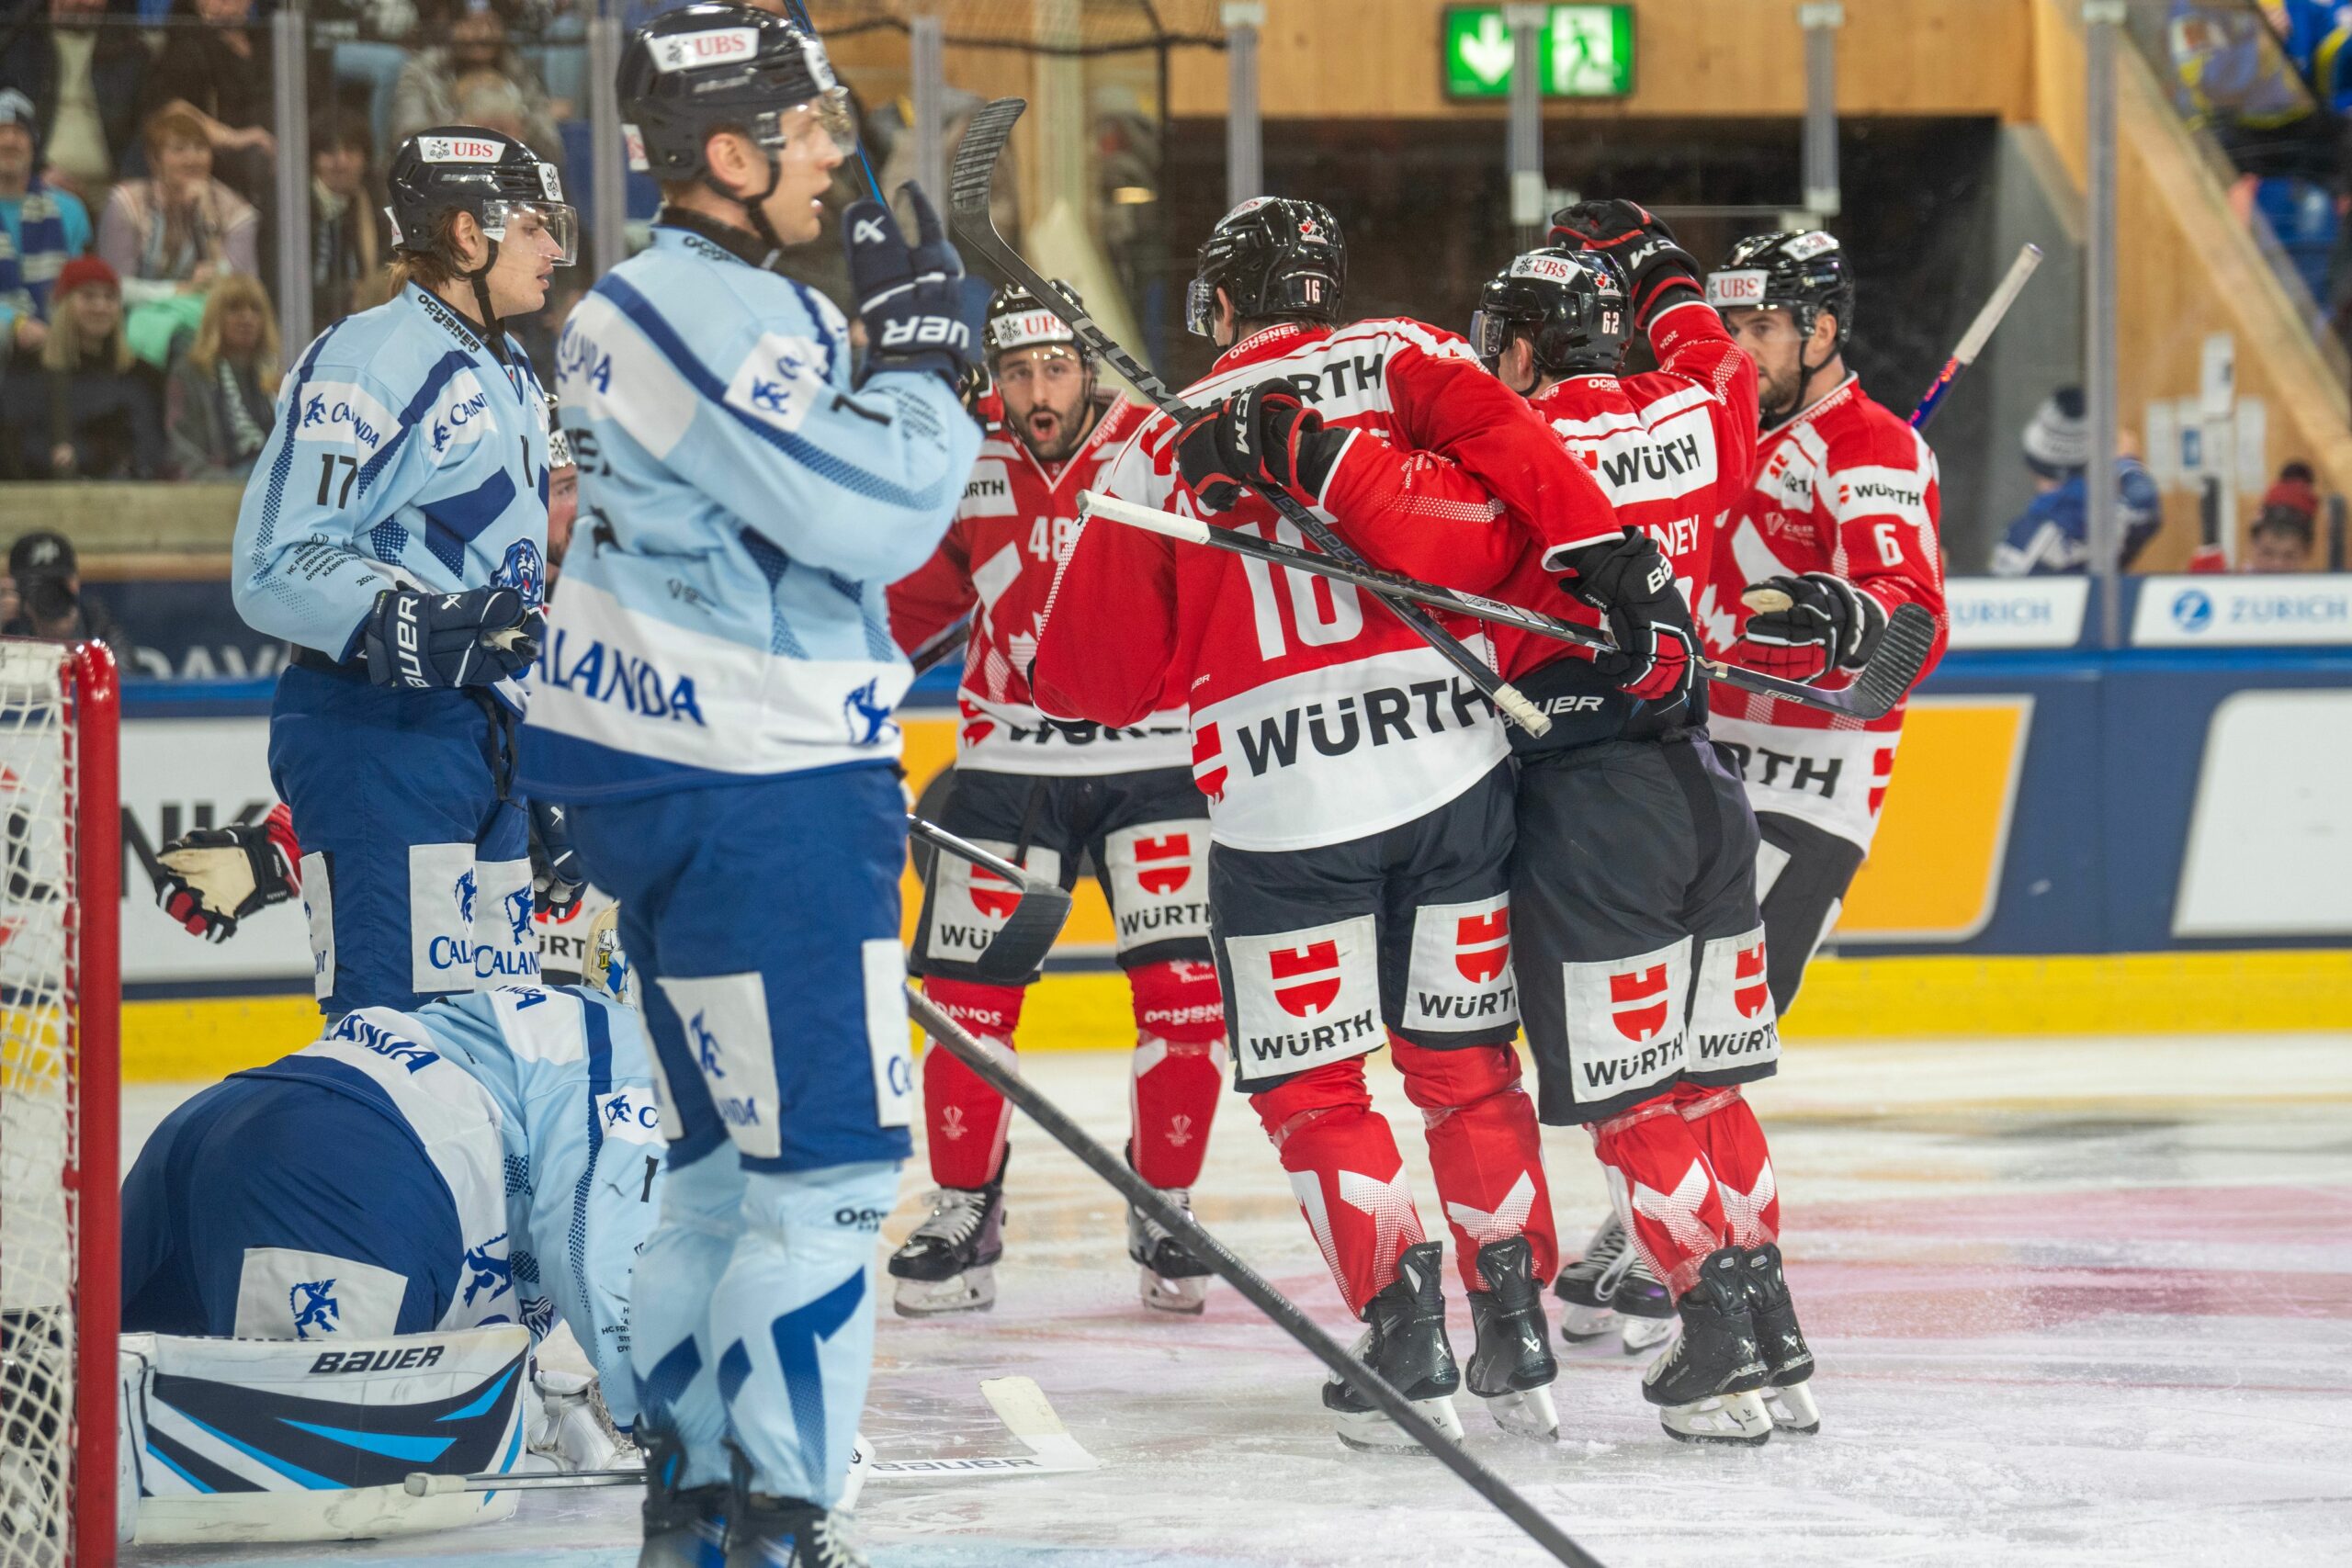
(827, 114)
(510, 222)
(1490, 335)
(1200, 308)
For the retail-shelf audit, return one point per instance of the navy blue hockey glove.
(1265, 436)
(556, 880)
(1632, 584)
(1818, 623)
(475, 638)
(1658, 271)
(918, 314)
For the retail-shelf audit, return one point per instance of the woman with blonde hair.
(91, 412)
(219, 405)
(172, 236)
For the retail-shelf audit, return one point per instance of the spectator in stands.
(215, 66)
(2282, 535)
(347, 253)
(219, 403)
(368, 46)
(81, 66)
(2052, 536)
(171, 237)
(40, 231)
(46, 599)
(478, 58)
(92, 411)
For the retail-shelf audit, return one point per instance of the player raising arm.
(1050, 795)
(714, 708)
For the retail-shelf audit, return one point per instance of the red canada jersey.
(1013, 528)
(1317, 716)
(1844, 486)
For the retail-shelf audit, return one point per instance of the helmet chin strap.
(754, 207)
(1775, 417)
(493, 330)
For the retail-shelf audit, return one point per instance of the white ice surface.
(2079, 1302)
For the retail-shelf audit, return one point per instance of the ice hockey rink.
(2076, 1301)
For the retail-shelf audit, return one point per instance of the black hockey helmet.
(1803, 274)
(1017, 319)
(464, 168)
(1276, 256)
(717, 66)
(1569, 303)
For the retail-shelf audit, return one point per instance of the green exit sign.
(1581, 51)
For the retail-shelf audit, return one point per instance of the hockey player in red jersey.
(1836, 530)
(1050, 795)
(1359, 791)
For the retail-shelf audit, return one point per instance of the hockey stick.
(934, 649)
(950, 1035)
(968, 190)
(1972, 342)
(1902, 653)
(1028, 932)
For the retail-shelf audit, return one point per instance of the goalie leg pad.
(1485, 1151)
(966, 1120)
(1348, 1176)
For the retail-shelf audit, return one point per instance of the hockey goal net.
(60, 1001)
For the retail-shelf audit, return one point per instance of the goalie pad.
(247, 1440)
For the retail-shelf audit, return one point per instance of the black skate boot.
(1645, 1306)
(1511, 1366)
(1404, 1341)
(1705, 1383)
(684, 1527)
(1787, 1397)
(1173, 1279)
(1584, 1286)
(948, 1262)
(784, 1532)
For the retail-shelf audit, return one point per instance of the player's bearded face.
(1046, 396)
(1770, 339)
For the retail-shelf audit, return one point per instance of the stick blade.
(968, 183)
(1902, 653)
(1013, 955)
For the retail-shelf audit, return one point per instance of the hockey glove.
(556, 880)
(911, 299)
(1658, 271)
(210, 879)
(1632, 584)
(1817, 623)
(1262, 436)
(475, 638)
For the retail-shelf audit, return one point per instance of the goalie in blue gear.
(491, 1157)
(395, 532)
(715, 706)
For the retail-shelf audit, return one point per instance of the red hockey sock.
(1349, 1180)
(968, 1120)
(1726, 1128)
(1179, 1068)
(1484, 1149)
(1664, 1190)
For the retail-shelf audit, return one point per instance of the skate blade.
(972, 1291)
(1735, 1418)
(1372, 1432)
(1792, 1409)
(1187, 1297)
(1641, 1333)
(1582, 1324)
(1527, 1414)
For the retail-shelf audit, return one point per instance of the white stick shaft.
(1150, 519)
(1988, 317)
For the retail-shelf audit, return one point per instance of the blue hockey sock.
(672, 1348)
(794, 1317)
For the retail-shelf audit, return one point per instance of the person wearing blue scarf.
(40, 230)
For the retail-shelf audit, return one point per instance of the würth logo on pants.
(1460, 979)
(1163, 866)
(1749, 992)
(1637, 1002)
(1626, 1019)
(1303, 998)
(992, 896)
(1307, 979)
(1733, 1027)
(1482, 946)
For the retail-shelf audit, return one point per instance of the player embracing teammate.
(1049, 793)
(1360, 790)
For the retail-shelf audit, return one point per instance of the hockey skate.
(948, 1262)
(1706, 1384)
(1611, 1290)
(1511, 1366)
(782, 1532)
(685, 1528)
(1643, 1305)
(1173, 1279)
(1789, 1396)
(1404, 1341)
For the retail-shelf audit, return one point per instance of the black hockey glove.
(1658, 271)
(477, 638)
(556, 880)
(1262, 436)
(1826, 624)
(1632, 584)
(918, 314)
(210, 879)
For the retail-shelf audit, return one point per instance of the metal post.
(1821, 19)
(2101, 20)
(290, 83)
(1524, 145)
(927, 64)
(608, 152)
(1245, 159)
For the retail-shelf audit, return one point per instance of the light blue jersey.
(404, 454)
(741, 510)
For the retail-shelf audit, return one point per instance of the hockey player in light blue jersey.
(394, 531)
(714, 704)
(485, 1158)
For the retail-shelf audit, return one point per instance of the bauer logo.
(718, 46)
(459, 150)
